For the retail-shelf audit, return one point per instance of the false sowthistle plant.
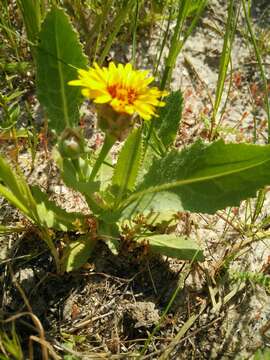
(150, 180)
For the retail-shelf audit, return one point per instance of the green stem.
(107, 145)
(134, 33)
(78, 170)
(164, 41)
(180, 36)
(225, 61)
(115, 28)
(92, 203)
(261, 66)
(44, 234)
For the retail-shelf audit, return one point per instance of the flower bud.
(71, 144)
(114, 123)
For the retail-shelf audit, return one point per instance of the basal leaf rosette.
(120, 94)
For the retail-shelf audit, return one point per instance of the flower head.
(124, 89)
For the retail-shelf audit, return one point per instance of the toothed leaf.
(59, 53)
(169, 118)
(202, 178)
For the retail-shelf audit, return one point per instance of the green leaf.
(77, 253)
(169, 118)
(15, 190)
(34, 203)
(31, 14)
(52, 216)
(58, 55)
(162, 219)
(262, 354)
(12, 199)
(105, 173)
(11, 229)
(174, 246)
(202, 178)
(110, 234)
(128, 164)
(75, 174)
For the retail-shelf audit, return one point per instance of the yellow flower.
(123, 88)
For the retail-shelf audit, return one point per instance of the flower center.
(123, 94)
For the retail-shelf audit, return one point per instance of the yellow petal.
(124, 88)
(75, 83)
(103, 99)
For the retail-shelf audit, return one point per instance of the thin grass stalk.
(97, 29)
(224, 61)
(222, 111)
(31, 13)
(176, 44)
(185, 327)
(259, 205)
(198, 78)
(230, 81)
(261, 196)
(247, 212)
(99, 21)
(260, 64)
(6, 25)
(184, 273)
(175, 48)
(94, 55)
(195, 20)
(16, 35)
(134, 33)
(226, 221)
(116, 26)
(254, 116)
(183, 7)
(35, 320)
(17, 149)
(74, 9)
(46, 237)
(180, 286)
(164, 41)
